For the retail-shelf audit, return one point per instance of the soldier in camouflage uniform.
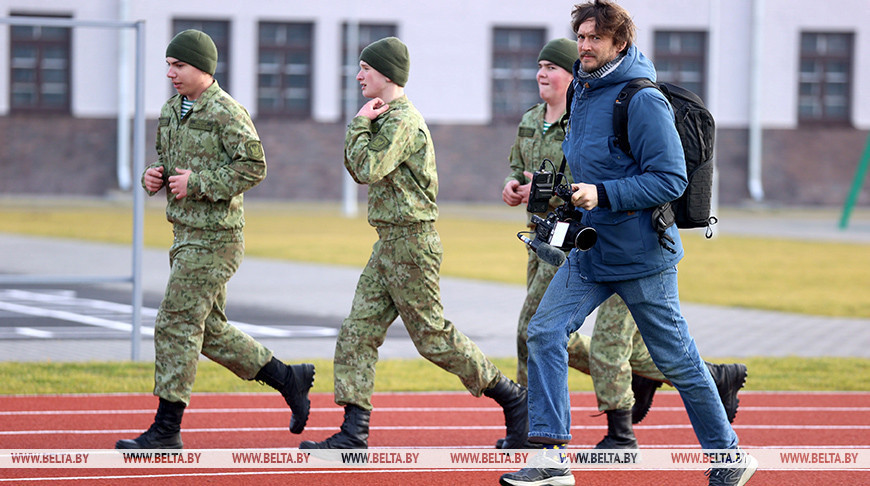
(389, 148)
(539, 137)
(209, 153)
(623, 373)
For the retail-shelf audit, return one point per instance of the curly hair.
(610, 19)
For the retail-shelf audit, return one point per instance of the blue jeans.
(654, 304)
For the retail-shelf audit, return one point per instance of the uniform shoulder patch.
(527, 132)
(163, 121)
(379, 143)
(254, 149)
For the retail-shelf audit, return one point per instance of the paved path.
(485, 311)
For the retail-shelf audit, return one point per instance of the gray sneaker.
(733, 476)
(538, 477)
(544, 469)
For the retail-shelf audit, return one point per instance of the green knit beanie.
(389, 56)
(561, 52)
(195, 48)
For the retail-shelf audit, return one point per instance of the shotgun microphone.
(546, 252)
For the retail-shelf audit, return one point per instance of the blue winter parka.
(627, 246)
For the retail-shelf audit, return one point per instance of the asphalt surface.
(296, 308)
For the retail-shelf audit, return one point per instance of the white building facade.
(778, 70)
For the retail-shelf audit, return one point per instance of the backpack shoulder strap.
(569, 99)
(620, 110)
(662, 215)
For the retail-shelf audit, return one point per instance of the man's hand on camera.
(585, 196)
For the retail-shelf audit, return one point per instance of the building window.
(825, 78)
(367, 33)
(39, 67)
(219, 31)
(514, 68)
(284, 69)
(681, 58)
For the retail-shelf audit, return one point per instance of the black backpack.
(696, 128)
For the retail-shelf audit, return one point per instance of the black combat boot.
(514, 402)
(729, 379)
(164, 433)
(354, 432)
(643, 389)
(293, 382)
(620, 435)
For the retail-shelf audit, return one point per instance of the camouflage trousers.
(191, 317)
(610, 356)
(402, 279)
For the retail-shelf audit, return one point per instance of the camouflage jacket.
(217, 141)
(394, 155)
(532, 146)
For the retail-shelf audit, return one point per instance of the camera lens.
(585, 238)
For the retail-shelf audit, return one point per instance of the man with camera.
(388, 147)
(618, 194)
(623, 374)
(539, 138)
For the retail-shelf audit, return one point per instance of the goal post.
(857, 183)
(138, 195)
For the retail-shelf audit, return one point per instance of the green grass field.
(791, 374)
(808, 277)
(820, 278)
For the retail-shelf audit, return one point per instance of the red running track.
(413, 420)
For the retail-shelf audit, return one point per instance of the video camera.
(561, 230)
